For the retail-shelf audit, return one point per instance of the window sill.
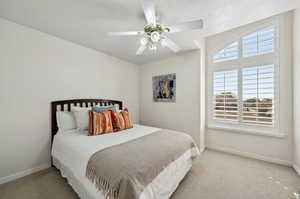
(248, 132)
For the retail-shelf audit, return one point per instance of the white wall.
(35, 69)
(296, 73)
(257, 146)
(184, 115)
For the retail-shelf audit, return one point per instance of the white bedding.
(71, 151)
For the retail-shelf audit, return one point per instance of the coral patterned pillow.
(125, 114)
(117, 121)
(121, 120)
(100, 123)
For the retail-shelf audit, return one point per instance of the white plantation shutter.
(228, 53)
(225, 95)
(258, 95)
(260, 42)
(245, 89)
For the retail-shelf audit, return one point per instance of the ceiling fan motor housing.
(148, 29)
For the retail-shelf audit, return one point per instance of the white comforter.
(71, 151)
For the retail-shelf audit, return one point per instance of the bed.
(71, 151)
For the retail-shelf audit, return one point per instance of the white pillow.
(81, 115)
(65, 121)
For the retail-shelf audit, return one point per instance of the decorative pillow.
(101, 109)
(121, 120)
(100, 123)
(117, 121)
(81, 115)
(65, 121)
(125, 114)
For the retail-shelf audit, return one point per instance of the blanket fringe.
(102, 184)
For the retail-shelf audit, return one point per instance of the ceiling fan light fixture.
(153, 47)
(155, 36)
(144, 41)
(163, 42)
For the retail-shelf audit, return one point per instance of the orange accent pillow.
(117, 121)
(121, 120)
(125, 114)
(100, 123)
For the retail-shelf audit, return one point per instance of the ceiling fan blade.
(172, 45)
(141, 49)
(130, 33)
(149, 11)
(191, 25)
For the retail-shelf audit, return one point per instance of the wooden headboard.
(65, 105)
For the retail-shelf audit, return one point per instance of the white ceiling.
(86, 21)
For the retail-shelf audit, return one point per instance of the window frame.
(238, 64)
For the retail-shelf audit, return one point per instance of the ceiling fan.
(155, 34)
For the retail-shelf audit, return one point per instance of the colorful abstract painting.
(164, 88)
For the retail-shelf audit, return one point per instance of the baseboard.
(251, 155)
(297, 169)
(24, 173)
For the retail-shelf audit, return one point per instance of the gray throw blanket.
(123, 171)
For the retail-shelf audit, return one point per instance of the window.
(259, 43)
(258, 95)
(244, 89)
(225, 95)
(228, 53)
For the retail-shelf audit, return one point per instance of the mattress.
(71, 151)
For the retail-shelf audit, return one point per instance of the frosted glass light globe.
(153, 47)
(163, 43)
(155, 36)
(144, 41)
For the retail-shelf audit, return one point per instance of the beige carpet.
(215, 176)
